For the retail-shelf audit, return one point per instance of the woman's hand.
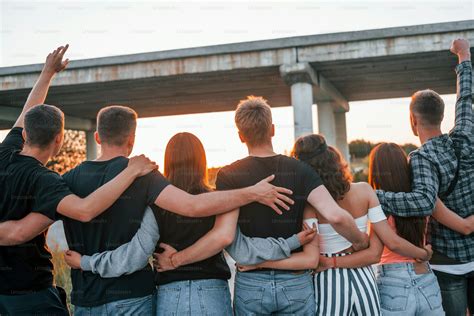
(429, 253)
(73, 259)
(164, 261)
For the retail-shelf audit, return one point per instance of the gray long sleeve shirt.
(134, 255)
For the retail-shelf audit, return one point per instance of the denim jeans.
(275, 293)
(403, 292)
(133, 306)
(50, 301)
(457, 292)
(194, 297)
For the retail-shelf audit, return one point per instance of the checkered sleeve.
(464, 122)
(421, 200)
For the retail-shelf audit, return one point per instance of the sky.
(29, 30)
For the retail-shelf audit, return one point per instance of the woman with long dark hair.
(345, 290)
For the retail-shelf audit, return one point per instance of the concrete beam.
(11, 114)
(323, 90)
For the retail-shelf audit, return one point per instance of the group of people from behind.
(304, 244)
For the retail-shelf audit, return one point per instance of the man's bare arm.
(17, 232)
(86, 209)
(54, 64)
(213, 203)
(340, 219)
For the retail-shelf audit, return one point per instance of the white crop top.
(331, 242)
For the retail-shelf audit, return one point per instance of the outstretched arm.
(54, 64)
(17, 232)
(224, 233)
(306, 259)
(448, 218)
(421, 200)
(126, 259)
(86, 209)
(340, 219)
(357, 259)
(388, 236)
(218, 202)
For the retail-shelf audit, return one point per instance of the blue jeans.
(194, 297)
(457, 292)
(405, 293)
(133, 306)
(274, 292)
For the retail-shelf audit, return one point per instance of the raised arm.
(448, 218)
(126, 259)
(86, 209)
(218, 202)
(421, 200)
(463, 119)
(54, 64)
(17, 232)
(340, 219)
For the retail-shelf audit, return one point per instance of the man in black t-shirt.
(31, 195)
(271, 291)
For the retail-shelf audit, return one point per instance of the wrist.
(250, 194)
(47, 73)
(175, 260)
(464, 56)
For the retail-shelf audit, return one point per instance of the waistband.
(276, 272)
(408, 266)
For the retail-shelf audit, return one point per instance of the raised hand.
(73, 259)
(272, 196)
(141, 165)
(164, 261)
(54, 61)
(460, 47)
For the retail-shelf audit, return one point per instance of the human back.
(186, 168)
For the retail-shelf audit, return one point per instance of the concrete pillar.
(300, 77)
(327, 122)
(302, 101)
(341, 134)
(91, 146)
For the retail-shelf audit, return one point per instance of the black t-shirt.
(181, 232)
(26, 186)
(116, 226)
(258, 220)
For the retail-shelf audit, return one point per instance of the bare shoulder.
(362, 188)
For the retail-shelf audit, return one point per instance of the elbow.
(224, 239)
(466, 230)
(394, 245)
(17, 239)
(375, 257)
(314, 261)
(337, 218)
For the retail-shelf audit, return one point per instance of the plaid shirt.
(433, 168)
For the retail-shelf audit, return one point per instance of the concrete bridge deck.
(329, 70)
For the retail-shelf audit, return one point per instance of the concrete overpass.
(328, 70)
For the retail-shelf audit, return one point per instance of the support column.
(300, 78)
(91, 146)
(302, 101)
(327, 122)
(341, 134)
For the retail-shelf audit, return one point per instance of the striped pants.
(347, 292)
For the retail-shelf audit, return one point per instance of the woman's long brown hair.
(186, 164)
(327, 161)
(389, 171)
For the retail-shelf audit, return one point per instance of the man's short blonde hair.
(253, 118)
